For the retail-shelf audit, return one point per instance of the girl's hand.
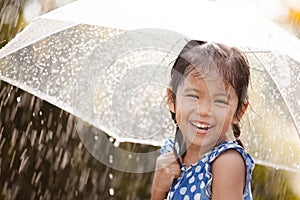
(166, 170)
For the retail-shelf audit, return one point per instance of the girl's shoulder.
(220, 150)
(232, 145)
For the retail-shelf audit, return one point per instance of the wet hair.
(209, 59)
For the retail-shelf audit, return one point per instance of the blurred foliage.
(271, 183)
(292, 23)
(11, 21)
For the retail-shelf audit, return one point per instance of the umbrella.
(110, 68)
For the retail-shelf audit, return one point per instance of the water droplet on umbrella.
(117, 143)
(110, 159)
(111, 139)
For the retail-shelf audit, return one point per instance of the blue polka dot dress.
(195, 181)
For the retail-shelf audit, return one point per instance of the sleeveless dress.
(195, 181)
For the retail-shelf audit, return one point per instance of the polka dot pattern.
(195, 180)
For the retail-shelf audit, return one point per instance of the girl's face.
(205, 110)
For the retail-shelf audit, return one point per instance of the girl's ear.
(171, 101)
(240, 112)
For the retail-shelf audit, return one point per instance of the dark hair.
(229, 62)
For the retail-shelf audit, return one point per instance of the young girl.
(207, 98)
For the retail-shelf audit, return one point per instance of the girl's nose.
(204, 108)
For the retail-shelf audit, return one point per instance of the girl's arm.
(229, 175)
(166, 170)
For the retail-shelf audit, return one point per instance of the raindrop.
(9, 13)
(32, 137)
(84, 178)
(2, 143)
(96, 137)
(1, 132)
(37, 179)
(13, 113)
(23, 163)
(58, 158)
(41, 136)
(50, 117)
(65, 160)
(49, 135)
(6, 100)
(12, 160)
(49, 153)
(13, 139)
(110, 176)
(111, 192)
(18, 99)
(138, 158)
(38, 163)
(13, 176)
(33, 177)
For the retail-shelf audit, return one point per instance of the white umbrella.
(67, 57)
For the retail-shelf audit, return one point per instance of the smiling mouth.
(201, 127)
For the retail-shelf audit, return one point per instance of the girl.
(207, 98)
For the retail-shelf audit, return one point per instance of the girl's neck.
(194, 153)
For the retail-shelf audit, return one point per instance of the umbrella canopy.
(110, 67)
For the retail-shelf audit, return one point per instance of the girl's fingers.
(167, 169)
(168, 158)
(175, 170)
(172, 170)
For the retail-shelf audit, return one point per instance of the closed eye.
(219, 101)
(192, 96)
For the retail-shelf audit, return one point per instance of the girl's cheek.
(189, 106)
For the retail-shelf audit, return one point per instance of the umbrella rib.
(173, 46)
(257, 51)
(280, 92)
(168, 52)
